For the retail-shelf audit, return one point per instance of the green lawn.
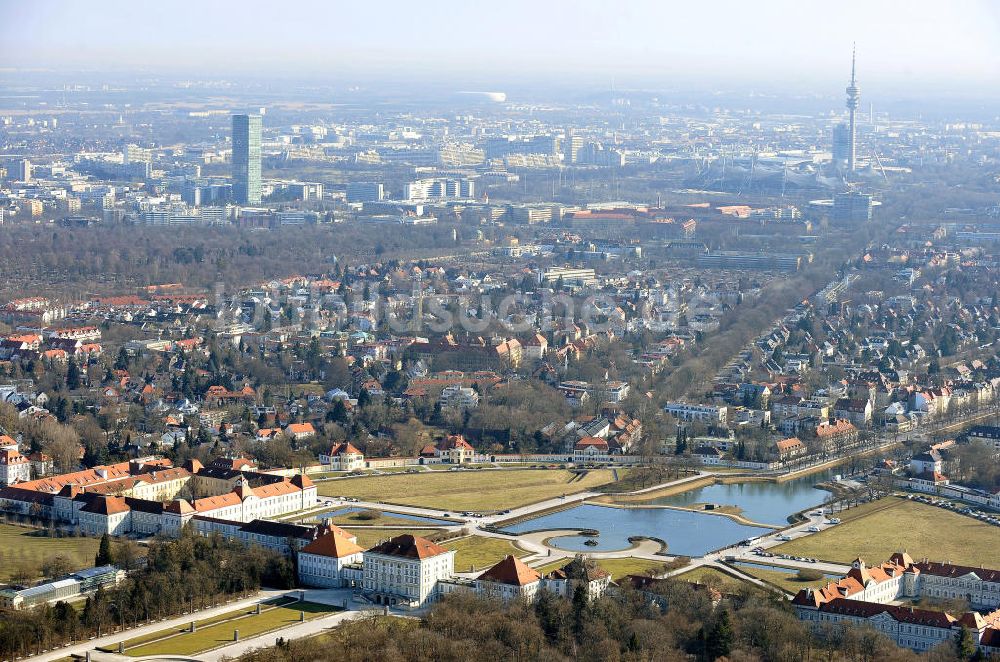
(221, 633)
(386, 519)
(787, 581)
(712, 577)
(468, 490)
(479, 553)
(201, 623)
(629, 566)
(22, 547)
(617, 567)
(874, 531)
(370, 536)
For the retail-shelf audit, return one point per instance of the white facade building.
(14, 467)
(405, 571)
(707, 414)
(321, 562)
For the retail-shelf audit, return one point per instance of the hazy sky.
(802, 43)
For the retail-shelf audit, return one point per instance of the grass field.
(617, 567)
(387, 519)
(787, 581)
(479, 553)
(202, 622)
(369, 537)
(221, 633)
(628, 566)
(656, 494)
(21, 546)
(712, 577)
(874, 531)
(468, 490)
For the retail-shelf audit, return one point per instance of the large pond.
(685, 532)
(348, 510)
(763, 502)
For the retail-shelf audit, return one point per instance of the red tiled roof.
(214, 502)
(862, 609)
(178, 506)
(788, 444)
(453, 441)
(336, 543)
(344, 447)
(106, 505)
(587, 442)
(512, 571)
(12, 457)
(409, 546)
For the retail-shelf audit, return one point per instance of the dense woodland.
(749, 627)
(73, 262)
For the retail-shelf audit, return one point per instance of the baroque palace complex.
(877, 596)
(234, 499)
(150, 496)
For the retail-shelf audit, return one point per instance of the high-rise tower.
(853, 99)
(246, 159)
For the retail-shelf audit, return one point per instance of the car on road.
(784, 538)
(834, 520)
(813, 529)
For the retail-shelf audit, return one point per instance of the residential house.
(453, 448)
(789, 448)
(928, 462)
(300, 431)
(343, 457)
(535, 347)
(836, 434)
(459, 398)
(591, 449)
(708, 414)
(856, 410)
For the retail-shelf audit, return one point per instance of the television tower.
(853, 99)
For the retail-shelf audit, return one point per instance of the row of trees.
(180, 575)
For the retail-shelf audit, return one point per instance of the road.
(745, 553)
